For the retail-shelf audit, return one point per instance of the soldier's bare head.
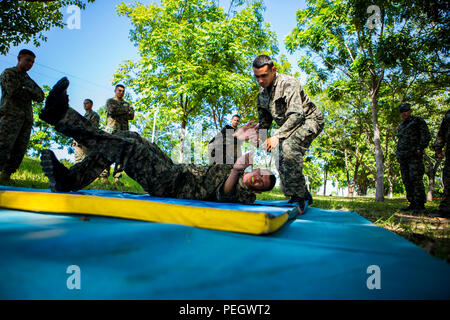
(235, 120)
(25, 60)
(405, 111)
(88, 103)
(259, 180)
(264, 70)
(119, 91)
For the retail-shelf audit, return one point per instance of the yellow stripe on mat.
(201, 217)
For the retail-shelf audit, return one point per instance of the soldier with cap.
(80, 150)
(16, 113)
(443, 139)
(413, 137)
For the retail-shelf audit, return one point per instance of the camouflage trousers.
(142, 160)
(412, 171)
(445, 202)
(292, 150)
(80, 152)
(15, 131)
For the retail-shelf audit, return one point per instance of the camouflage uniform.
(442, 139)
(16, 116)
(80, 150)
(144, 162)
(300, 121)
(413, 136)
(118, 113)
(224, 148)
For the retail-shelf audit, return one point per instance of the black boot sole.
(54, 171)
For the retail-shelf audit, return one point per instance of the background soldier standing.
(118, 113)
(413, 138)
(224, 148)
(16, 113)
(80, 150)
(442, 139)
(282, 99)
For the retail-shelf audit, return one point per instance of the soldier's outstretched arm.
(35, 91)
(241, 164)
(131, 113)
(425, 136)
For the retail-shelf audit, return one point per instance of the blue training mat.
(323, 254)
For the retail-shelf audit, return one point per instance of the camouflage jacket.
(413, 136)
(443, 135)
(287, 104)
(206, 183)
(18, 90)
(94, 118)
(117, 115)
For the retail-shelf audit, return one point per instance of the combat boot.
(411, 207)
(57, 103)
(419, 209)
(300, 203)
(440, 213)
(56, 172)
(5, 178)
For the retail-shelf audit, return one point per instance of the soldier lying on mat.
(144, 162)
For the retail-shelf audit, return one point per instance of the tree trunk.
(350, 188)
(325, 182)
(379, 157)
(182, 139)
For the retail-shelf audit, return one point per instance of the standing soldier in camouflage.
(413, 138)
(118, 113)
(16, 113)
(143, 161)
(282, 99)
(225, 148)
(80, 150)
(443, 139)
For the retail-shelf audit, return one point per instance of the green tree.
(23, 21)
(344, 39)
(195, 59)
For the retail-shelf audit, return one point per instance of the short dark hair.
(404, 107)
(92, 102)
(26, 52)
(273, 181)
(119, 85)
(262, 61)
(236, 115)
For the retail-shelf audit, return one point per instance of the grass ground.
(432, 234)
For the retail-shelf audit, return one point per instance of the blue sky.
(89, 56)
